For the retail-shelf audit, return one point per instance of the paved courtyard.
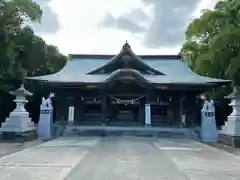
(120, 158)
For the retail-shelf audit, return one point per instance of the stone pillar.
(230, 133)
(208, 122)
(45, 128)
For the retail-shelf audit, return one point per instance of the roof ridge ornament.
(126, 46)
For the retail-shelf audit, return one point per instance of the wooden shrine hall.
(114, 89)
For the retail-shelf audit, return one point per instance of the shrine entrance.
(126, 90)
(125, 111)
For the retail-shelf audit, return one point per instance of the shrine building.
(114, 89)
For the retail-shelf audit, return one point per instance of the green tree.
(35, 57)
(22, 53)
(213, 46)
(13, 13)
(213, 41)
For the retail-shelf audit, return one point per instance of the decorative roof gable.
(126, 59)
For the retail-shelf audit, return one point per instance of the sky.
(103, 26)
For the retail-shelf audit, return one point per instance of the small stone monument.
(18, 124)
(45, 127)
(230, 133)
(209, 131)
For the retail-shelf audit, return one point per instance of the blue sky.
(102, 27)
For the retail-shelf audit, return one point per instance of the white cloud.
(204, 4)
(80, 32)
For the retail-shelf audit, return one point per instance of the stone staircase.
(124, 131)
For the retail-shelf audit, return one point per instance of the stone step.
(125, 131)
(226, 123)
(91, 123)
(223, 127)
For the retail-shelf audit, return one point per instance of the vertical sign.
(148, 114)
(71, 115)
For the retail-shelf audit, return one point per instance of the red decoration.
(51, 98)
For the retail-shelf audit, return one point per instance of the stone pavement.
(120, 158)
(11, 147)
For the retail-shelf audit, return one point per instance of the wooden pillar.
(82, 109)
(176, 109)
(181, 113)
(142, 111)
(104, 107)
(79, 109)
(61, 108)
(180, 107)
(170, 111)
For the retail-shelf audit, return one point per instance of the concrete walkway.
(12, 147)
(120, 158)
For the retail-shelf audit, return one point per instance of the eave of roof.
(160, 79)
(172, 66)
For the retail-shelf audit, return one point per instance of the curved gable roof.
(128, 74)
(173, 67)
(126, 56)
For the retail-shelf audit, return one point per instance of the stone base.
(208, 131)
(232, 141)
(18, 137)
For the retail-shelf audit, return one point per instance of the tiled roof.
(175, 72)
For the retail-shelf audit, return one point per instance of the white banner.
(71, 114)
(148, 114)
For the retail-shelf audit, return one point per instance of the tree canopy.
(213, 42)
(22, 53)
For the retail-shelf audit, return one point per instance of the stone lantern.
(18, 123)
(230, 133)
